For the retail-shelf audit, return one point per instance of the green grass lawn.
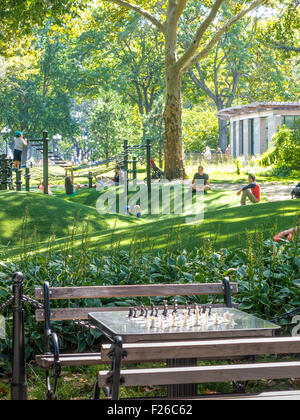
(28, 220)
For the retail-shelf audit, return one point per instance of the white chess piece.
(231, 319)
(161, 322)
(185, 313)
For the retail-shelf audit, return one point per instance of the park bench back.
(142, 290)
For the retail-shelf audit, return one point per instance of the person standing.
(20, 143)
(207, 153)
(250, 191)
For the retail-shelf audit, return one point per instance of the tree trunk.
(174, 157)
(223, 134)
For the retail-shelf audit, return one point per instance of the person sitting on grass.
(200, 175)
(71, 190)
(250, 191)
(137, 211)
(41, 187)
(99, 183)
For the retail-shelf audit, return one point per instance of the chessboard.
(191, 322)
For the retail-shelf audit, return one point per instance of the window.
(291, 121)
(241, 137)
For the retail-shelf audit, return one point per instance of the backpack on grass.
(296, 191)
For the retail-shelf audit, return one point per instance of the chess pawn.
(161, 322)
(231, 320)
(152, 322)
(173, 324)
(147, 322)
(225, 320)
(185, 317)
(216, 321)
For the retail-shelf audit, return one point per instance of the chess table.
(119, 326)
(114, 324)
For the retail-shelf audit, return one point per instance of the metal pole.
(18, 179)
(134, 170)
(19, 384)
(45, 161)
(125, 162)
(90, 178)
(3, 172)
(149, 166)
(27, 179)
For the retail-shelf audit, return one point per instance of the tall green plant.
(284, 152)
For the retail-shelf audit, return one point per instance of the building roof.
(227, 113)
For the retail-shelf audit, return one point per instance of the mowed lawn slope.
(23, 214)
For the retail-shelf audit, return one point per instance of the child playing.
(41, 187)
(137, 211)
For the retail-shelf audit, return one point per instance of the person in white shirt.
(20, 143)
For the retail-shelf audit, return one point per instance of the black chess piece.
(165, 311)
(209, 310)
(134, 313)
(175, 306)
(204, 309)
(142, 310)
(152, 309)
(130, 313)
(156, 312)
(146, 312)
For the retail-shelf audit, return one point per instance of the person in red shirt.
(250, 191)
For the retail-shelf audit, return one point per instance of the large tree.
(129, 61)
(219, 76)
(165, 16)
(19, 17)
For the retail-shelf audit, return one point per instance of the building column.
(273, 122)
(263, 135)
(260, 145)
(246, 130)
(231, 138)
(234, 150)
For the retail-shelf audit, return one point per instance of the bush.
(284, 152)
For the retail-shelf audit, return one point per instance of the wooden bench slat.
(202, 374)
(87, 292)
(201, 349)
(69, 314)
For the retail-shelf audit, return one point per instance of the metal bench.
(54, 361)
